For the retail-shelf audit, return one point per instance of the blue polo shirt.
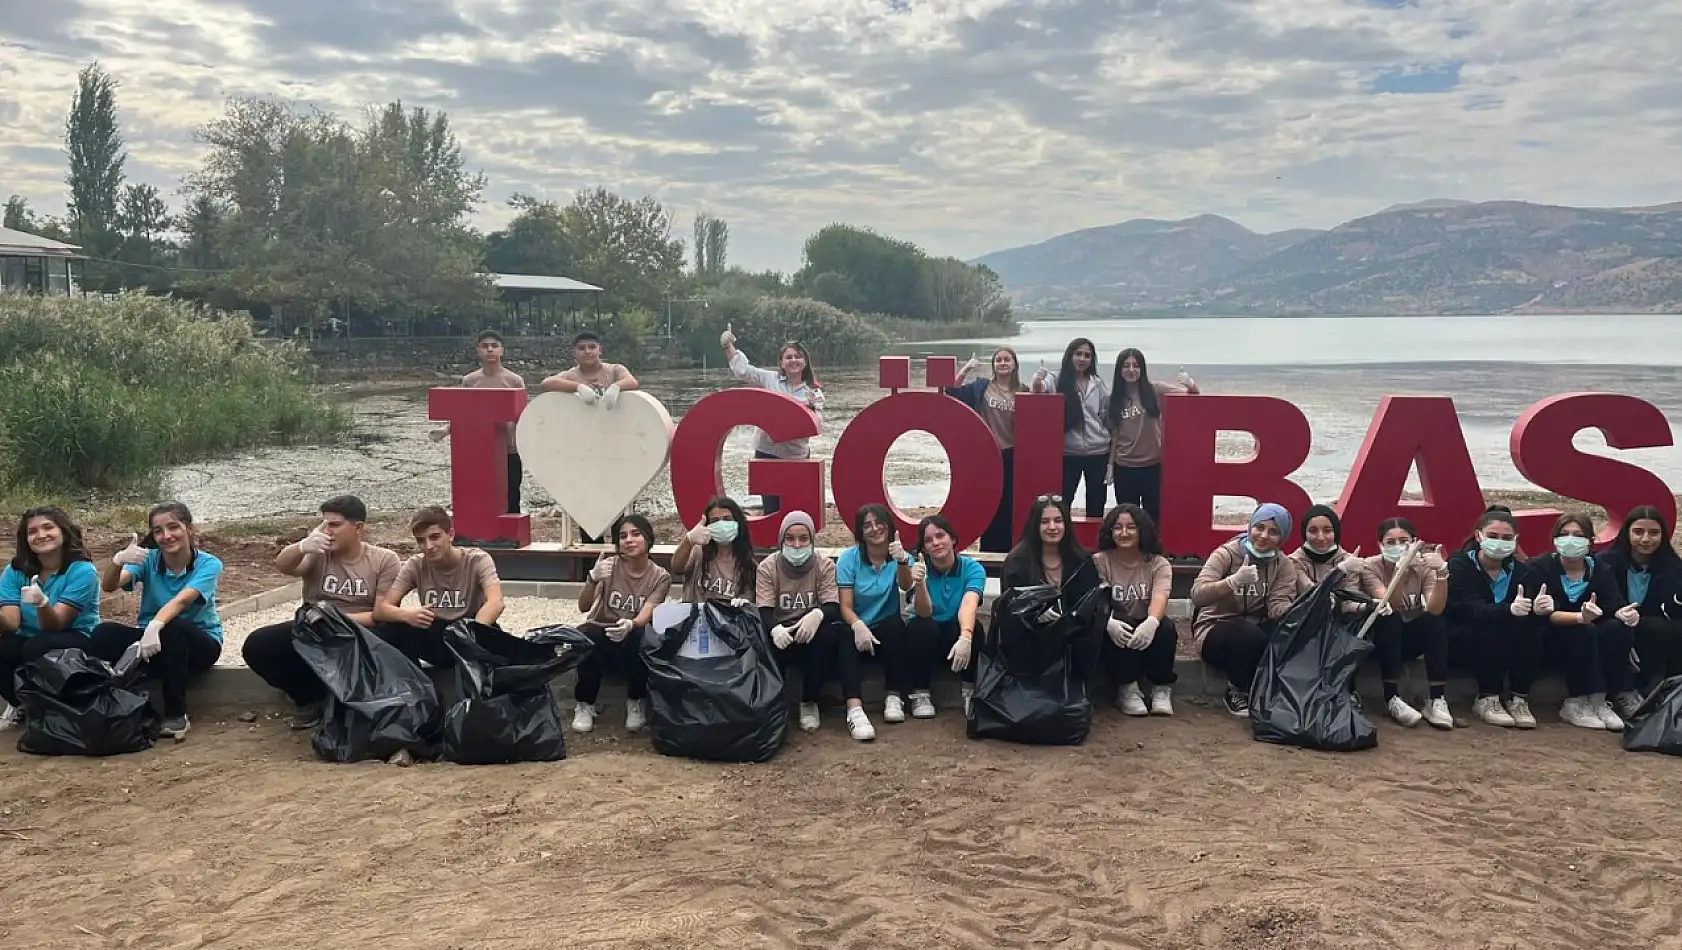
(159, 585)
(946, 591)
(77, 585)
(875, 591)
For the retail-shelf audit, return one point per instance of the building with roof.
(535, 305)
(33, 264)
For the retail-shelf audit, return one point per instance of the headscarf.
(790, 520)
(1317, 511)
(1278, 515)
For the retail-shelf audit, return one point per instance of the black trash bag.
(722, 708)
(378, 700)
(1302, 691)
(1032, 668)
(506, 712)
(1657, 725)
(78, 704)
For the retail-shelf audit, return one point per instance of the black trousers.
(1235, 648)
(625, 657)
(895, 653)
(186, 650)
(1594, 657)
(1140, 486)
(516, 471)
(15, 651)
(770, 504)
(1154, 663)
(928, 641)
(1506, 652)
(831, 653)
(1659, 644)
(1000, 535)
(1091, 468)
(419, 643)
(1396, 641)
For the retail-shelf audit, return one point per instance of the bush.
(625, 335)
(103, 393)
(833, 337)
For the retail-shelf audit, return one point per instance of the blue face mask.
(1499, 548)
(724, 531)
(1570, 545)
(797, 556)
(1259, 555)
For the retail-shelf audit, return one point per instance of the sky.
(964, 125)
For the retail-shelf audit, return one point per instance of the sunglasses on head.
(1058, 499)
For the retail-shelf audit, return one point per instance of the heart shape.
(592, 460)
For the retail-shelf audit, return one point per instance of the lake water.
(1334, 369)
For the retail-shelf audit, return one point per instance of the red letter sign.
(1191, 476)
(1409, 429)
(698, 446)
(1542, 451)
(478, 463)
(1039, 463)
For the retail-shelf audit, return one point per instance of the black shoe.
(1238, 702)
(309, 717)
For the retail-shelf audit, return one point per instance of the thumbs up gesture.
(1434, 560)
(970, 366)
(727, 339)
(1184, 379)
(32, 594)
(1521, 605)
(1544, 602)
(1041, 374)
(1630, 614)
(132, 555)
(1590, 610)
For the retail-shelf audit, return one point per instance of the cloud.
(966, 125)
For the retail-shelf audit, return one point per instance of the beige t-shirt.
(604, 375)
(715, 581)
(1137, 441)
(998, 410)
(501, 379)
(1132, 588)
(790, 597)
(1311, 572)
(1215, 602)
(351, 586)
(1417, 587)
(450, 592)
(621, 596)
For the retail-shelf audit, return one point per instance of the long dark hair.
(742, 547)
(1068, 383)
(1118, 392)
(1491, 515)
(1150, 543)
(1028, 556)
(75, 549)
(1665, 555)
(638, 522)
(937, 521)
(808, 375)
(883, 515)
(180, 512)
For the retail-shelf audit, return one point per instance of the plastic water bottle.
(704, 637)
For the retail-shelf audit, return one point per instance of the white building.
(33, 264)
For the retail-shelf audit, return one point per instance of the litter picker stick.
(1402, 567)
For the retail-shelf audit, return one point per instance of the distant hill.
(1436, 256)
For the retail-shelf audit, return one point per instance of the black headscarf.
(1315, 511)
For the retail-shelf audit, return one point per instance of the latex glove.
(863, 639)
(728, 337)
(699, 534)
(919, 572)
(1119, 632)
(1351, 561)
(133, 555)
(781, 637)
(1629, 614)
(316, 542)
(618, 630)
(1521, 605)
(1051, 615)
(33, 595)
(1041, 375)
(439, 434)
(738, 602)
(1109, 474)
(587, 394)
(896, 551)
(970, 366)
(1144, 634)
(1590, 610)
(1184, 379)
(959, 654)
(1433, 560)
(610, 396)
(1543, 603)
(1383, 608)
(1243, 577)
(602, 571)
(808, 626)
(152, 640)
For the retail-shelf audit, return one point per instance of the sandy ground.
(1177, 833)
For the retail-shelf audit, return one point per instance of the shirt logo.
(722, 586)
(621, 602)
(344, 586)
(804, 600)
(1127, 593)
(444, 598)
(999, 403)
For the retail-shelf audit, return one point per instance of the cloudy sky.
(966, 125)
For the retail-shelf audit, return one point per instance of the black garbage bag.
(727, 707)
(78, 704)
(1657, 725)
(378, 700)
(1302, 692)
(1032, 668)
(506, 712)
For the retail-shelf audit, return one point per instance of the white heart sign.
(593, 460)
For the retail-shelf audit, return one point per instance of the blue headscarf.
(1275, 513)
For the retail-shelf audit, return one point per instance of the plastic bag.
(1657, 725)
(77, 704)
(506, 712)
(729, 708)
(378, 700)
(1302, 692)
(1030, 678)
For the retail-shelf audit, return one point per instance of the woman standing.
(1136, 421)
(946, 591)
(49, 597)
(1242, 591)
(1591, 647)
(870, 576)
(716, 556)
(1142, 638)
(1086, 423)
(1638, 577)
(795, 379)
(618, 602)
(1488, 609)
(179, 633)
(994, 400)
(1410, 621)
(801, 607)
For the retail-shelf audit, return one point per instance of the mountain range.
(1438, 256)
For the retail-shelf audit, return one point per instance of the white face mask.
(1570, 545)
(724, 531)
(1501, 548)
(797, 556)
(1393, 552)
(1319, 549)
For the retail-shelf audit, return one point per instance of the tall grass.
(104, 393)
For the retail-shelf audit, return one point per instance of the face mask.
(1393, 552)
(1318, 549)
(724, 531)
(1571, 545)
(796, 556)
(1259, 555)
(1502, 548)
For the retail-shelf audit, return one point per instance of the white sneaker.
(1608, 716)
(969, 693)
(583, 717)
(1519, 708)
(1132, 701)
(808, 717)
(1437, 714)
(858, 723)
(11, 718)
(1162, 701)
(636, 714)
(893, 708)
(1577, 711)
(1400, 711)
(1488, 708)
(922, 705)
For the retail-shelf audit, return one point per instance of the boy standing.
(491, 374)
(592, 380)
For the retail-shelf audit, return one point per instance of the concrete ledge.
(292, 592)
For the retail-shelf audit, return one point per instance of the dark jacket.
(1549, 570)
(1018, 572)
(1470, 598)
(1611, 579)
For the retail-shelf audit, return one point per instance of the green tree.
(95, 146)
(712, 245)
(18, 217)
(625, 247)
(952, 291)
(882, 274)
(198, 225)
(142, 226)
(535, 242)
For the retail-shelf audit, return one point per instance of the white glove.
(1041, 375)
(1521, 605)
(1119, 632)
(807, 628)
(919, 572)
(1109, 474)
(618, 630)
(1184, 379)
(587, 394)
(610, 396)
(1383, 608)
(738, 602)
(1243, 577)
(152, 640)
(33, 595)
(1629, 614)
(959, 654)
(316, 542)
(1590, 610)
(896, 551)
(133, 555)
(1433, 561)
(727, 338)
(781, 637)
(863, 639)
(1543, 603)
(699, 534)
(970, 365)
(602, 571)
(1144, 634)
(439, 434)
(1051, 615)
(1351, 561)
